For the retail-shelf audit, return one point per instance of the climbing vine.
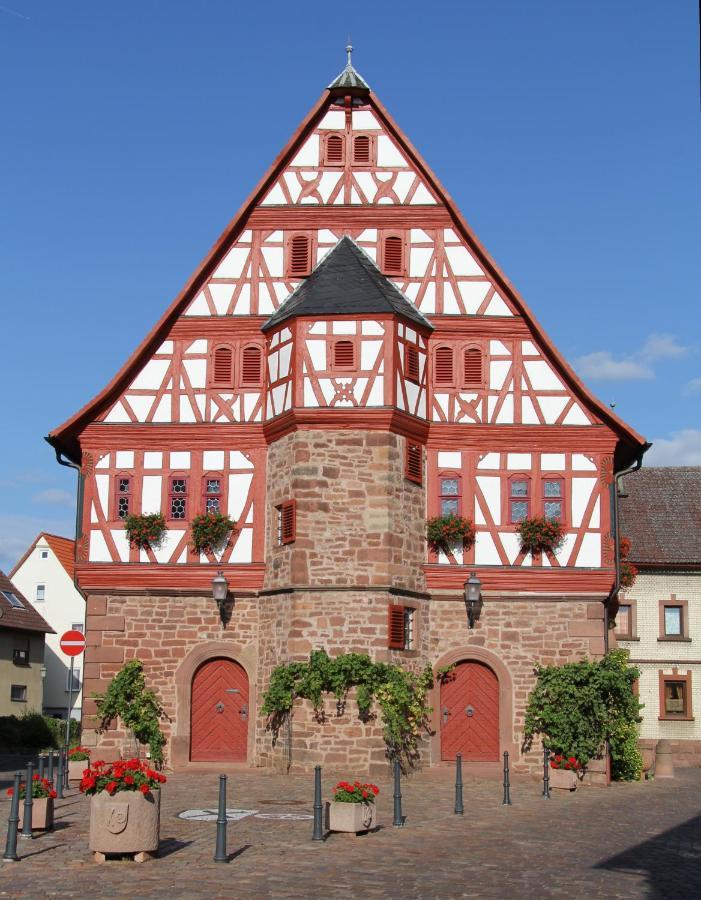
(128, 698)
(400, 695)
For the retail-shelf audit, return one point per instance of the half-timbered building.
(346, 362)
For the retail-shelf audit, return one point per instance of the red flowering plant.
(540, 533)
(78, 754)
(628, 572)
(40, 788)
(145, 530)
(123, 775)
(442, 532)
(345, 792)
(559, 761)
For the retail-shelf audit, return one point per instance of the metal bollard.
(27, 816)
(220, 854)
(50, 769)
(398, 817)
(42, 764)
(66, 781)
(318, 832)
(507, 792)
(60, 777)
(13, 822)
(459, 808)
(546, 773)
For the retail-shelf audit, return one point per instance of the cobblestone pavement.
(630, 840)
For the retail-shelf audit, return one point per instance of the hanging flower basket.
(211, 531)
(540, 533)
(443, 532)
(146, 530)
(628, 574)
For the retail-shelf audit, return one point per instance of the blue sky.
(567, 132)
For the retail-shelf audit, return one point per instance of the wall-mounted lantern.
(220, 593)
(473, 598)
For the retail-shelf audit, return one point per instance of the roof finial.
(349, 51)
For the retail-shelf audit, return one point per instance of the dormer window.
(393, 255)
(362, 150)
(335, 150)
(223, 366)
(344, 355)
(299, 256)
(251, 366)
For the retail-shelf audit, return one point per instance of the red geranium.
(123, 775)
(344, 792)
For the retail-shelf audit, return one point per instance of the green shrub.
(32, 731)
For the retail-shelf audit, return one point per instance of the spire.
(349, 78)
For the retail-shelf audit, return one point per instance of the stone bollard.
(664, 763)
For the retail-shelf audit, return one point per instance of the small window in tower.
(251, 366)
(412, 362)
(393, 255)
(286, 522)
(335, 147)
(472, 367)
(443, 364)
(413, 469)
(343, 355)
(400, 627)
(178, 498)
(299, 256)
(123, 497)
(223, 366)
(212, 495)
(361, 150)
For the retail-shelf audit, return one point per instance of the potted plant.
(353, 807)
(77, 757)
(444, 532)
(540, 533)
(628, 572)
(145, 530)
(211, 531)
(125, 809)
(43, 795)
(563, 772)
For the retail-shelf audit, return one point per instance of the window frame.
(325, 154)
(441, 385)
(409, 446)
(76, 678)
(687, 714)
(251, 345)
(445, 474)
(683, 606)
(37, 598)
(211, 476)
(213, 381)
(528, 499)
(43, 554)
(472, 385)
(116, 494)
(281, 509)
(18, 604)
(632, 634)
(562, 498)
(289, 238)
(22, 687)
(17, 651)
(401, 272)
(171, 495)
(402, 618)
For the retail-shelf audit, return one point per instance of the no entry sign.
(72, 643)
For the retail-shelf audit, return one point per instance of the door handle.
(243, 712)
(219, 707)
(469, 712)
(445, 714)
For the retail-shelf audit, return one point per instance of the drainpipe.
(78, 508)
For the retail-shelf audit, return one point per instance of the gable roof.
(661, 515)
(27, 619)
(62, 547)
(64, 437)
(346, 282)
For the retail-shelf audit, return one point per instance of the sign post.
(72, 644)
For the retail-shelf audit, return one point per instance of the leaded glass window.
(552, 500)
(212, 500)
(450, 495)
(178, 499)
(123, 490)
(519, 499)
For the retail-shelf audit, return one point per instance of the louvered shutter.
(393, 255)
(412, 363)
(395, 627)
(287, 522)
(251, 365)
(414, 469)
(334, 150)
(443, 366)
(343, 355)
(473, 366)
(223, 359)
(299, 258)
(361, 150)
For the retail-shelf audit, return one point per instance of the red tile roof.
(662, 515)
(27, 619)
(63, 548)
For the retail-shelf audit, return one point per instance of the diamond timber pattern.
(477, 736)
(219, 736)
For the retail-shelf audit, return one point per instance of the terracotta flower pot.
(126, 822)
(42, 813)
(563, 779)
(352, 817)
(76, 767)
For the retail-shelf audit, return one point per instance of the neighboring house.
(22, 632)
(659, 621)
(346, 362)
(45, 573)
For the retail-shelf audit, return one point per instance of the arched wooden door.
(219, 712)
(470, 713)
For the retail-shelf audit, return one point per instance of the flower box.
(76, 767)
(125, 822)
(563, 779)
(42, 814)
(352, 817)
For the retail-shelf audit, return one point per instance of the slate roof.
(63, 548)
(346, 282)
(27, 619)
(662, 515)
(349, 78)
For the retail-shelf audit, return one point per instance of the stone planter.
(76, 767)
(563, 779)
(42, 814)
(127, 822)
(352, 817)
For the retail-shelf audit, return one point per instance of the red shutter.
(288, 522)
(299, 259)
(443, 366)
(343, 355)
(412, 362)
(395, 627)
(251, 365)
(223, 359)
(361, 150)
(473, 366)
(334, 150)
(414, 468)
(393, 256)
